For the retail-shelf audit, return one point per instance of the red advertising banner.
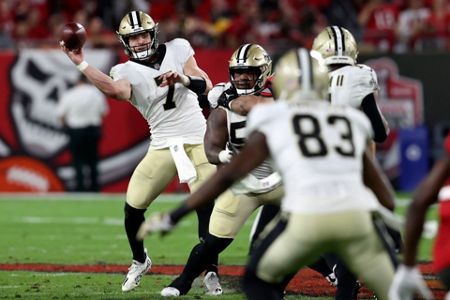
(34, 154)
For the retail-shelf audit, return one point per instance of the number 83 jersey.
(318, 149)
(171, 111)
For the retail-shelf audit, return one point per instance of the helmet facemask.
(254, 61)
(134, 23)
(250, 79)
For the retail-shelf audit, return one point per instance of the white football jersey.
(263, 178)
(318, 149)
(171, 112)
(350, 84)
(215, 92)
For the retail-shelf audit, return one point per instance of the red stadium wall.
(33, 148)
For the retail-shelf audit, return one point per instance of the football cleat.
(170, 292)
(212, 284)
(135, 273)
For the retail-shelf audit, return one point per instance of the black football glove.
(226, 97)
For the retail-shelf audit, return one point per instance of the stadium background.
(34, 73)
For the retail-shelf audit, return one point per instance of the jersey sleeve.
(117, 72)
(365, 82)
(261, 116)
(215, 92)
(183, 49)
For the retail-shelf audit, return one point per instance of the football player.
(326, 146)
(434, 188)
(354, 85)
(351, 84)
(250, 69)
(162, 81)
(237, 98)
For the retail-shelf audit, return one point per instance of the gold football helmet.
(301, 74)
(252, 59)
(137, 22)
(337, 46)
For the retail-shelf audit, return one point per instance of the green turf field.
(88, 230)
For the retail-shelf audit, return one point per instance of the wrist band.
(196, 84)
(82, 66)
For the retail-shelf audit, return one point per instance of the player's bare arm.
(252, 155)
(120, 89)
(377, 182)
(426, 195)
(243, 104)
(216, 135)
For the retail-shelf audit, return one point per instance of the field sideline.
(48, 236)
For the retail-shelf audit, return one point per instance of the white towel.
(185, 167)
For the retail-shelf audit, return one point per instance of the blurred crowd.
(379, 25)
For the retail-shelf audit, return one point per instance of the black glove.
(226, 97)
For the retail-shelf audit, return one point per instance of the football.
(73, 35)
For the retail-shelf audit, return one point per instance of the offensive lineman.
(250, 69)
(162, 81)
(326, 146)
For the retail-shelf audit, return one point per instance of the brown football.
(73, 35)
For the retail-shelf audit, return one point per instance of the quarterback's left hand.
(159, 223)
(227, 96)
(407, 281)
(172, 77)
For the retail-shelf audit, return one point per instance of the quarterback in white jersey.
(321, 152)
(157, 104)
(162, 81)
